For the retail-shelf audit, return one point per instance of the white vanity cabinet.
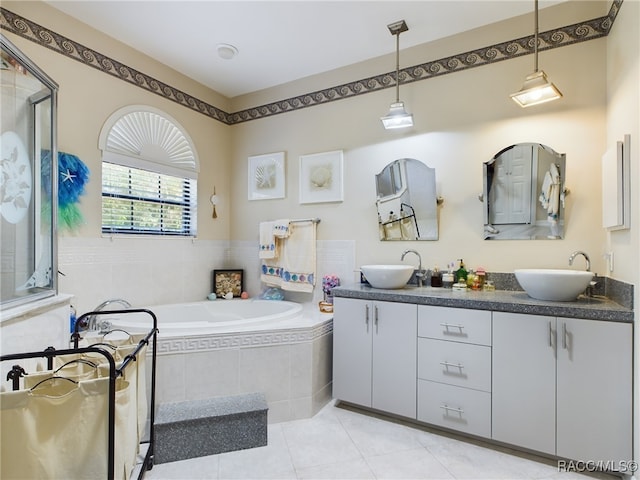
(563, 385)
(454, 368)
(374, 354)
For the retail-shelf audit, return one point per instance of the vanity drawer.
(455, 324)
(455, 363)
(456, 408)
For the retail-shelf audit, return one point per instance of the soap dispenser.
(461, 273)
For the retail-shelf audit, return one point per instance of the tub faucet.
(420, 274)
(586, 257)
(92, 320)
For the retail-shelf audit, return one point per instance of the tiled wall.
(155, 271)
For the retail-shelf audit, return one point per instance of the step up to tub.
(206, 427)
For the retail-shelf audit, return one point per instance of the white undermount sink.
(387, 276)
(557, 285)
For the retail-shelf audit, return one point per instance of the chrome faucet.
(420, 274)
(92, 320)
(586, 257)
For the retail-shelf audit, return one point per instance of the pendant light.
(397, 117)
(537, 88)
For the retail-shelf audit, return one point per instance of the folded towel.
(281, 228)
(267, 240)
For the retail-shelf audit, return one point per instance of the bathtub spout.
(92, 320)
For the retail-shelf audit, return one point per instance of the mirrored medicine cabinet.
(524, 190)
(28, 180)
(406, 201)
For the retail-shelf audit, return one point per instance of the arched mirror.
(524, 189)
(406, 201)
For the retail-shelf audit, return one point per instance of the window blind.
(138, 201)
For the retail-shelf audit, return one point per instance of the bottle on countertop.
(478, 282)
(461, 273)
(447, 280)
(471, 277)
(436, 277)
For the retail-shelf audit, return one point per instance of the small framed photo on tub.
(225, 281)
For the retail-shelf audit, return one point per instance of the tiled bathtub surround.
(290, 365)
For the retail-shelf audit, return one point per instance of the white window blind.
(137, 201)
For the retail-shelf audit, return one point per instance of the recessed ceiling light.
(226, 51)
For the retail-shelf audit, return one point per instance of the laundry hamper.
(58, 429)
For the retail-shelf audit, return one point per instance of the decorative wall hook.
(214, 202)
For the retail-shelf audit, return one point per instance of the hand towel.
(299, 258)
(267, 240)
(271, 268)
(550, 193)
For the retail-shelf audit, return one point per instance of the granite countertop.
(596, 308)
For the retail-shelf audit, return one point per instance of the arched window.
(149, 174)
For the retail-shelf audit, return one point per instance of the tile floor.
(342, 443)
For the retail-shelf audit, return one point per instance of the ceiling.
(279, 41)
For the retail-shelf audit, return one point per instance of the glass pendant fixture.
(397, 117)
(537, 88)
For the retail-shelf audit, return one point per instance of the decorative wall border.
(560, 37)
(267, 338)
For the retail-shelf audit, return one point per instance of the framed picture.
(266, 176)
(321, 177)
(225, 281)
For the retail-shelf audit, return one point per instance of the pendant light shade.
(397, 117)
(537, 88)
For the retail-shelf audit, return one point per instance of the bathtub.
(229, 347)
(209, 317)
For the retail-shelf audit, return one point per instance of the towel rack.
(314, 220)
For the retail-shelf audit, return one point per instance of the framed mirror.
(28, 180)
(524, 189)
(406, 201)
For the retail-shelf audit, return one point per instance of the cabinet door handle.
(447, 326)
(448, 409)
(375, 317)
(564, 335)
(366, 316)
(550, 335)
(449, 364)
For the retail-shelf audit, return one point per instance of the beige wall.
(623, 117)
(461, 120)
(87, 97)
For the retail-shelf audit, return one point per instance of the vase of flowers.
(329, 282)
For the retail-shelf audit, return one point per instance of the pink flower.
(329, 282)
